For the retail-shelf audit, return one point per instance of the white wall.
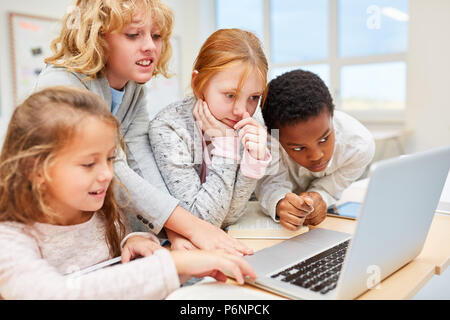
(193, 24)
(428, 88)
(45, 8)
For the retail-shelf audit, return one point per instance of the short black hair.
(294, 97)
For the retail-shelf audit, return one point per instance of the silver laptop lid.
(394, 220)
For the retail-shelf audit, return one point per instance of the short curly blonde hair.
(81, 47)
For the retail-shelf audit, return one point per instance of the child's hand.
(210, 237)
(320, 208)
(178, 242)
(253, 136)
(293, 210)
(138, 246)
(209, 124)
(200, 263)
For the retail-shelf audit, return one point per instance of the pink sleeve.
(253, 168)
(227, 147)
(24, 274)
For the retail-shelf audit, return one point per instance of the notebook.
(254, 224)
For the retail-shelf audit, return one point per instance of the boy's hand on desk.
(138, 247)
(292, 210)
(320, 208)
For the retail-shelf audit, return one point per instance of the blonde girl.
(209, 149)
(58, 214)
(112, 47)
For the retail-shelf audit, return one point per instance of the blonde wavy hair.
(81, 46)
(41, 127)
(224, 48)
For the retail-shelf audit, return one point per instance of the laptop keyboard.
(319, 273)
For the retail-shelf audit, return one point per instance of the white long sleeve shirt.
(353, 151)
(36, 262)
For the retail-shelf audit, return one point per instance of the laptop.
(392, 226)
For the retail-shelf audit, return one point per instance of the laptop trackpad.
(294, 249)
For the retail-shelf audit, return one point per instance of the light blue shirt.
(116, 96)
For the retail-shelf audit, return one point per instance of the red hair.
(223, 48)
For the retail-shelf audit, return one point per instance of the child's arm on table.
(195, 263)
(204, 235)
(27, 275)
(200, 263)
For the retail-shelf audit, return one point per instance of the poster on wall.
(163, 91)
(30, 38)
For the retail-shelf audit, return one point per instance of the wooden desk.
(436, 249)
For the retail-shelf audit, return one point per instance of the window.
(358, 47)
(322, 70)
(248, 17)
(377, 87)
(289, 19)
(368, 27)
